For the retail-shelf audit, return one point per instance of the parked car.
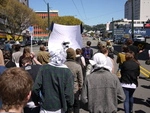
(139, 38)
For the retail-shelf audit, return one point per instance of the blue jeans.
(128, 103)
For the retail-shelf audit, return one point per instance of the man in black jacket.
(33, 71)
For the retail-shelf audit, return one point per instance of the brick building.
(38, 32)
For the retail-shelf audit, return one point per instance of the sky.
(90, 12)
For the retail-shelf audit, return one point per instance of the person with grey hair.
(55, 82)
(101, 89)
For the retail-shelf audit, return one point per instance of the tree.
(66, 20)
(3, 3)
(18, 17)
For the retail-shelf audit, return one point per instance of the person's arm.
(120, 92)
(84, 92)
(36, 88)
(118, 58)
(36, 61)
(83, 61)
(80, 77)
(69, 87)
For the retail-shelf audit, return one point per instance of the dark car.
(28, 42)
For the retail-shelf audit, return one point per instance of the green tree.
(63, 20)
(3, 3)
(66, 20)
(18, 17)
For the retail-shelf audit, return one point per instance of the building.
(141, 9)
(38, 32)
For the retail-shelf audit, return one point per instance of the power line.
(44, 1)
(76, 8)
(83, 9)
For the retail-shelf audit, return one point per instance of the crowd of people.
(58, 81)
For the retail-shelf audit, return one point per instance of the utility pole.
(113, 28)
(132, 5)
(48, 16)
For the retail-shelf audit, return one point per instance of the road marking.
(144, 71)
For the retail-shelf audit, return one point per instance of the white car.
(139, 38)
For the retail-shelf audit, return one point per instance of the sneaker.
(148, 101)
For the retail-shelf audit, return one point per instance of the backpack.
(87, 53)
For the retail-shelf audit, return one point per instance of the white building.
(141, 9)
(125, 23)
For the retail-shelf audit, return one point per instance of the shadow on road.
(144, 86)
(140, 101)
(144, 78)
(140, 111)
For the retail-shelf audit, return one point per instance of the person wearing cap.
(55, 82)
(78, 77)
(101, 89)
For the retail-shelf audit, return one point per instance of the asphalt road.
(143, 90)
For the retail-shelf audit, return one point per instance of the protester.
(1, 58)
(27, 53)
(2, 65)
(101, 89)
(121, 55)
(87, 52)
(81, 60)
(55, 82)
(110, 49)
(7, 46)
(43, 56)
(16, 54)
(15, 90)
(133, 48)
(8, 59)
(130, 72)
(99, 47)
(78, 77)
(110, 61)
(33, 70)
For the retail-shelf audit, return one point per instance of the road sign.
(31, 29)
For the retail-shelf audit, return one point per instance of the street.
(141, 93)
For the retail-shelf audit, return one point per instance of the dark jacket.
(56, 87)
(129, 72)
(33, 70)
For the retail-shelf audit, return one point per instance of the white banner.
(63, 33)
